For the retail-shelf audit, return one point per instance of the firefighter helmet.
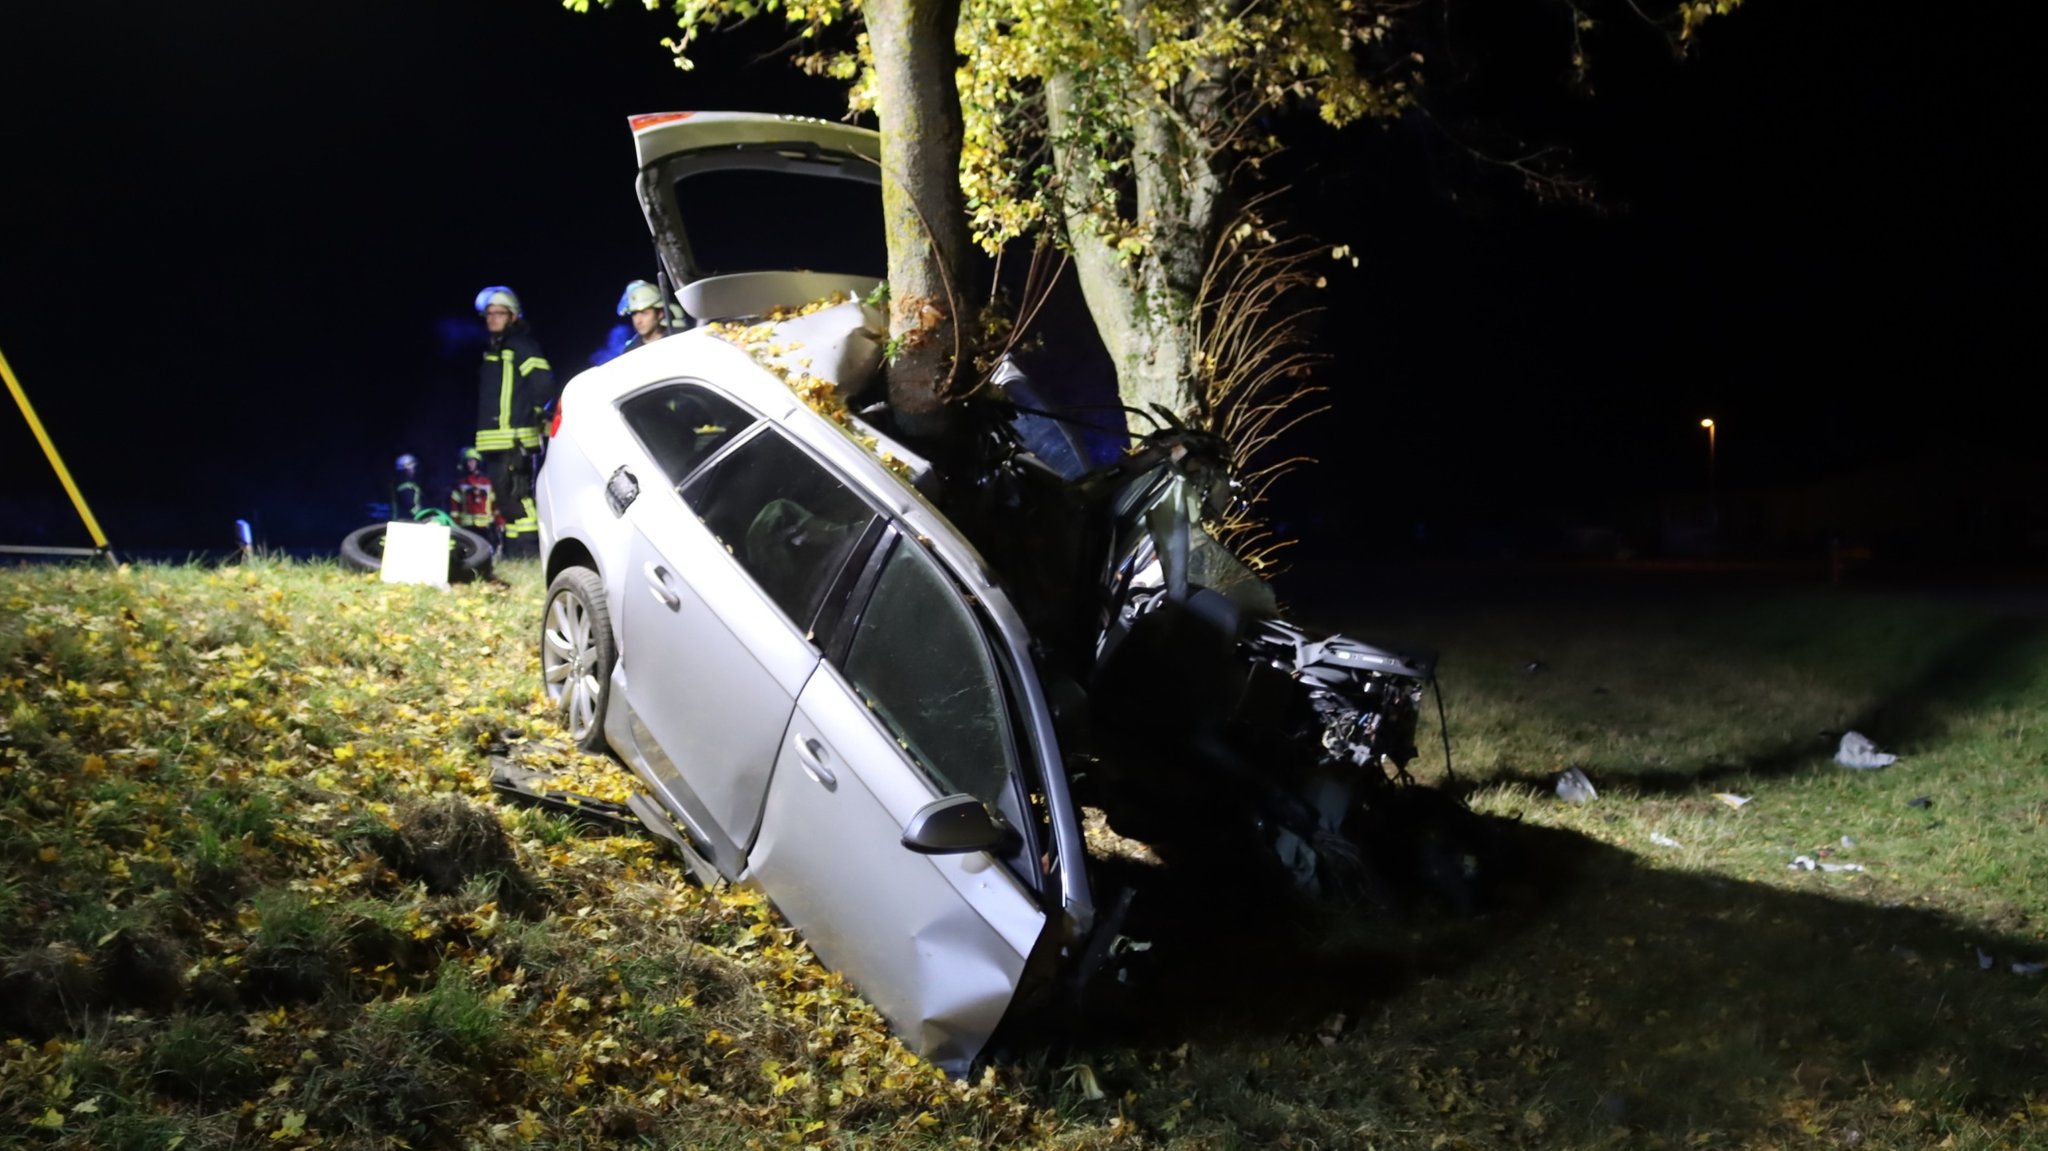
(498, 294)
(639, 295)
(407, 463)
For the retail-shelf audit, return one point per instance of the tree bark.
(918, 103)
(1144, 306)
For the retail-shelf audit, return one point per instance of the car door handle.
(811, 754)
(657, 581)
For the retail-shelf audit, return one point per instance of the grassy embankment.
(254, 892)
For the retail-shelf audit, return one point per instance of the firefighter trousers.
(511, 473)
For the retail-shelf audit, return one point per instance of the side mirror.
(956, 825)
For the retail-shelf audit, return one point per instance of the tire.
(577, 653)
(469, 554)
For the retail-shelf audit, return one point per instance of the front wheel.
(577, 653)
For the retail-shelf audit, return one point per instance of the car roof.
(703, 355)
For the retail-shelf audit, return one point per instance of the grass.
(254, 892)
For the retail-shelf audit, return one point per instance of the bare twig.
(1251, 335)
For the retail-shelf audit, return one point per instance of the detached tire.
(577, 653)
(469, 553)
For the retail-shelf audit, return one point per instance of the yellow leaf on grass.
(294, 1123)
(51, 1118)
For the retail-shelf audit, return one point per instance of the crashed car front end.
(1198, 720)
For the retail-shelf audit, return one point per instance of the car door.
(726, 572)
(915, 709)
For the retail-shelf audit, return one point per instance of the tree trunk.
(925, 213)
(1144, 306)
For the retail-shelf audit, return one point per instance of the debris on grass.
(1083, 1078)
(1574, 787)
(1662, 840)
(1332, 1029)
(1858, 752)
(1809, 863)
(1733, 800)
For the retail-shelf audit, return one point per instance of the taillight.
(555, 425)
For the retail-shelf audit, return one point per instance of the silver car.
(755, 601)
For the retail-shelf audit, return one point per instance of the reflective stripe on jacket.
(513, 387)
(473, 502)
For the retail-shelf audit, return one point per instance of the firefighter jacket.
(514, 386)
(474, 503)
(406, 500)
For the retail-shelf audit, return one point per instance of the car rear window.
(681, 425)
(789, 522)
(750, 221)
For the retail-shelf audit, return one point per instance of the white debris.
(1574, 787)
(1662, 840)
(1731, 799)
(1801, 863)
(1841, 867)
(1984, 959)
(1858, 752)
(2028, 968)
(1847, 842)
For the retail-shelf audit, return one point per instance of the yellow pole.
(35, 425)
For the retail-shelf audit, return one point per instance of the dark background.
(242, 239)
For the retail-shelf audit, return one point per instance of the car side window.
(920, 662)
(789, 522)
(681, 425)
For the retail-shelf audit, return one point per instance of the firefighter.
(516, 390)
(406, 503)
(472, 502)
(642, 304)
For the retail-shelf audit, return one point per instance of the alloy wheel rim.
(569, 663)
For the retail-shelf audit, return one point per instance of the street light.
(1713, 493)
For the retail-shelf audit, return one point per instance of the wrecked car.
(881, 691)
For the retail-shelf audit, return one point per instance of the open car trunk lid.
(738, 228)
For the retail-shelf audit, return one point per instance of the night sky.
(242, 239)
